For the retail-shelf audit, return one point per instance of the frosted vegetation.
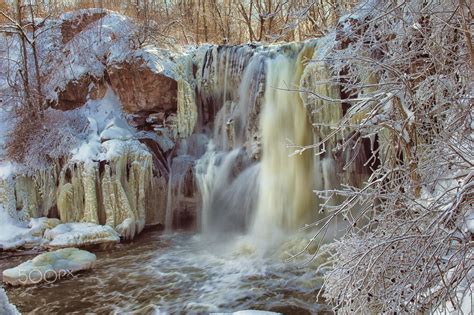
(410, 245)
(353, 150)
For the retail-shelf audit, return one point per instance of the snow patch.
(116, 129)
(14, 233)
(108, 131)
(6, 169)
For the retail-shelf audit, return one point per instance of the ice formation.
(80, 235)
(5, 307)
(108, 180)
(50, 266)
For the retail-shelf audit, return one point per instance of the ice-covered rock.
(116, 129)
(50, 266)
(15, 233)
(39, 225)
(110, 177)
(5, 307)
(80, 235)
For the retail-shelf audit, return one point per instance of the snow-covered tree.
(405, 69)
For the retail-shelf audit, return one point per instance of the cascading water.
(286, 200)
(228, 194)
(252, 108)
(266, 119)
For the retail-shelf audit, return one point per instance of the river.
(177, 273)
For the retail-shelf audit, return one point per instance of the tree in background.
(20, 28)
(219, 22)
(20, 20)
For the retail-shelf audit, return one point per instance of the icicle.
(109, 197)
(65, 202)
(90, 194)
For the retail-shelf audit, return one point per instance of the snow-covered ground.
(14, 233)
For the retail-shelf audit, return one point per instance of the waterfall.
(286, 199)
(253, 106)
(228, 193)
(260, 122)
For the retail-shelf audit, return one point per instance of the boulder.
(76, 92)
(142, 90)
(80, 235)
(50, 266)
(71, 27)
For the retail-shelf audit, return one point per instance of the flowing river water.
(179, 273)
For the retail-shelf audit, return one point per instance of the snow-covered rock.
(80, 235)
(14, 234)
(89, 45)
(116, 129)
(39, 225)
(5, 307)
(50, 266)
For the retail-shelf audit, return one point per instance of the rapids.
(179, 273)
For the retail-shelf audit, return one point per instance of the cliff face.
(142, 90)
(124, 99)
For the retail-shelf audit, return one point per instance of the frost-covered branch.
(406, 72)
